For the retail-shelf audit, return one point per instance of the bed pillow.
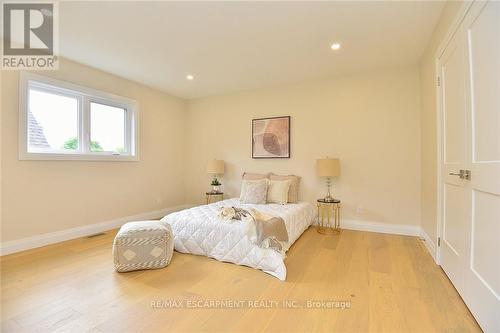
(244, 184)
(277, 191)
(293, 192)
(254, 191)
(255, 176)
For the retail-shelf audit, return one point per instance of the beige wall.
(380, 124)
(46, 196)
(370, 121)
(1, 158)
(428, 120)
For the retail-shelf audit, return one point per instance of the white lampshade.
(215, 167)
(328, 167)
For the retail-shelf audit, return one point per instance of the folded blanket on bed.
(263, 230)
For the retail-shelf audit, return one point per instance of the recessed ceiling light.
(190, 77)
(335, 46)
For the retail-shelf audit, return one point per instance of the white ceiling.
(234, 46)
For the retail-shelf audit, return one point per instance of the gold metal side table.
(212, 197)
(328, 217)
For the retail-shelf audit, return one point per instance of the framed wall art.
(271, 137)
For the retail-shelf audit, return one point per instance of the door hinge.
(439, 241)
(439, 81)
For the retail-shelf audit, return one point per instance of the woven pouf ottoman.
(142, 245)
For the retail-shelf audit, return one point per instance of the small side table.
(212, 197)
(328, 224)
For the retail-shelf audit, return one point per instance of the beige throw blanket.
(263, 230)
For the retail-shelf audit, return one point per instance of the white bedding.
(199, 230)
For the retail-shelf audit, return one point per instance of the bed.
(199, 230)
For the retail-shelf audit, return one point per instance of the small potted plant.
(215, 168)
(215, 185)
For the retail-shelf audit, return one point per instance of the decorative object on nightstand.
(212, 197)
(328, 167)
(328, 217)
(215, 168)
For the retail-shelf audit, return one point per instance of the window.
(62, 121)
(107, 128)
(52, 119)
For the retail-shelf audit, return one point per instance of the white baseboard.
(397, 229)
(429, 244)
(64, 235)
(384, 228)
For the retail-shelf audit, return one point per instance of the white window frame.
(84, 96)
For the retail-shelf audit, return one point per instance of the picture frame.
(271, 137)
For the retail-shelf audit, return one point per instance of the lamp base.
(329, 198)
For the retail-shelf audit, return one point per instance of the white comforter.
(199, 230)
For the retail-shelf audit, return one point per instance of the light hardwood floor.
(390, 281)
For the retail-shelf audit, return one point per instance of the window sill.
(76, 157)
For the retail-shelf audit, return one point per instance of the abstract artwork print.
(271, 137)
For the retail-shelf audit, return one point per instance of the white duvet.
(199, 230)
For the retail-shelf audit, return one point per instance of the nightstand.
(328, 217)
(212, 197)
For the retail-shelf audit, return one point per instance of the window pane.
(52, 122)
(107, 128)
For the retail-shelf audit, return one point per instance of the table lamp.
(328, 167)
(215, 168)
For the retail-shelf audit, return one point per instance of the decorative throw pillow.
(254, 191)
(255, 176)
(277, 191)
(244, 186)
(293, 192)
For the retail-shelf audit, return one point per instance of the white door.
(456, 211)
(470, 94)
